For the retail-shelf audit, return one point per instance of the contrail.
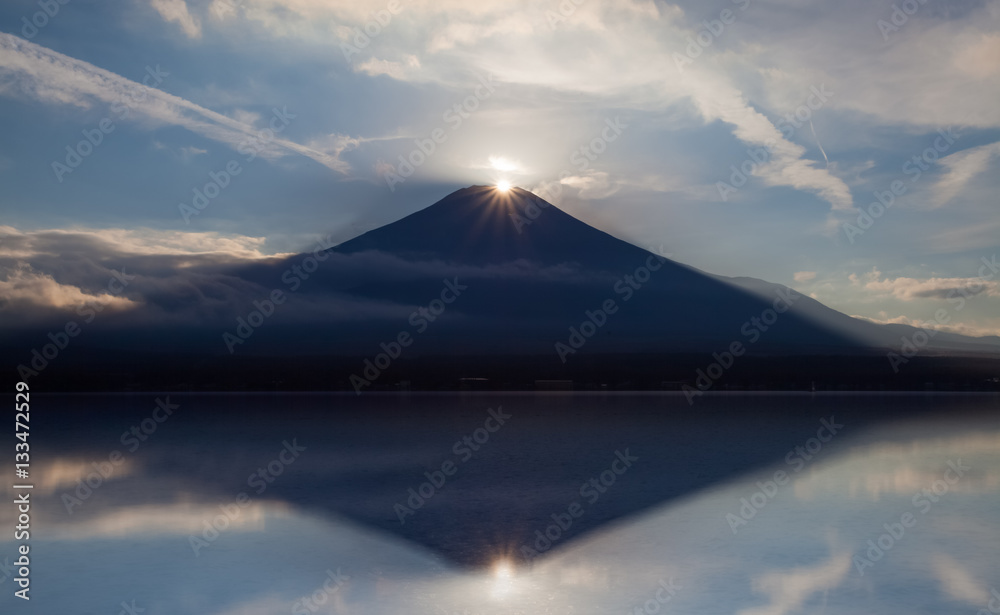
(813, 128)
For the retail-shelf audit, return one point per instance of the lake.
(468, 503)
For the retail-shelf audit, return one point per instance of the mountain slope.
(534, 272)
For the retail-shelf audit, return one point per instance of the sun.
(503, 185)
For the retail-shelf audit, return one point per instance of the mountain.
(534, 271)
(497, 285)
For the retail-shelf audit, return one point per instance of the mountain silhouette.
(533, 272)
(498, 285)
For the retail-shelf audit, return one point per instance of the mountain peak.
(482, 224)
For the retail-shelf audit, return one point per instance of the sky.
(846, 149)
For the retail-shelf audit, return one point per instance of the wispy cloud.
(177, 11)
(909, 289)
(962, 167)
(51, 77)
(20, 244)
(958, 582)
(629, 65)
(789, 590)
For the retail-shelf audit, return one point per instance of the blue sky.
(824, 104)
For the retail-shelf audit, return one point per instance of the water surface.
(576, 503)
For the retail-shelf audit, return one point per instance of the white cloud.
(804, 276)
(630, 65)
(962, 167)
(21, 287)
(190, 152)
(908, 289)
(788, 591)
(396, 70)
(717, 100)
(19, 244)
(177, 11)
(591, 185)
(52, 77)
(981, 58)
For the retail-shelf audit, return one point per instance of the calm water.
(503, 503)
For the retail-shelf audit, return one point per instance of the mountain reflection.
(160, 534)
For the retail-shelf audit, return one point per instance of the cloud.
(190, 152)
(789, 591)
(51, 77)
(45, 273)
(962, 167)
(15, 243)
(804, 276)
(23, 289)
(892, 464)
(958, 582)
(505, 165)
(981, 58)
(177, 11)
(205, 279)
(592, 185)
(622, 55)
(396, 70)
(970, 329)
(717, 100)
(165, 519)
(908, 289)
(629, 66)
